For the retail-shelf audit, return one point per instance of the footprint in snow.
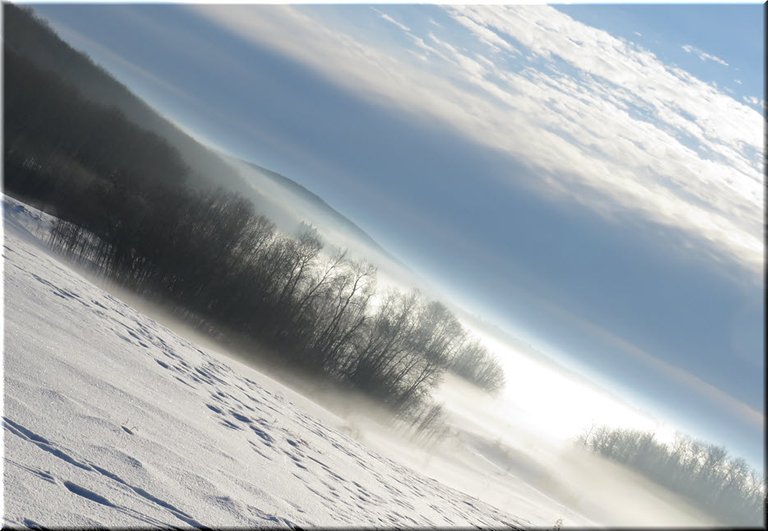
(231, 425)
(265, 437)
(256, 449)
(182, 380)
(241, 418)
(100, 305)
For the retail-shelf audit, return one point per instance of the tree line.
(723, 486)
(123, 209)
(475, 364)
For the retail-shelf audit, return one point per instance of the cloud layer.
(599, 119)
(704, 56)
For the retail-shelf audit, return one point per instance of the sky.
(586, 178)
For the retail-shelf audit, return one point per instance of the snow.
(112, 419)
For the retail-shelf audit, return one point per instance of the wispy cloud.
(485, 35)
(753, 100)
(704, 56)
(704, 390)
(391, 20)
(598, 119)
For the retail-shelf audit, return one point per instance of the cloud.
(752, 100)
(392, 20)
(485, 35)
(597, 119)
(704, 56)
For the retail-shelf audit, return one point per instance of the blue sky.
(586, 177)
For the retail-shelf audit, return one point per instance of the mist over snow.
(106, 419)
(131, 424)
(540, 393)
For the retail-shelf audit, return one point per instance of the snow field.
(112, 419)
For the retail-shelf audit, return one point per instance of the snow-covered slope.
(112, 419)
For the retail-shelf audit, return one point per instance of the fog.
(517, 451)
(289, 206)
(547, 396)
(491, 455)
(495, 451)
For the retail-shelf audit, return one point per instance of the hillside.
(34, 40)
(285, 199)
